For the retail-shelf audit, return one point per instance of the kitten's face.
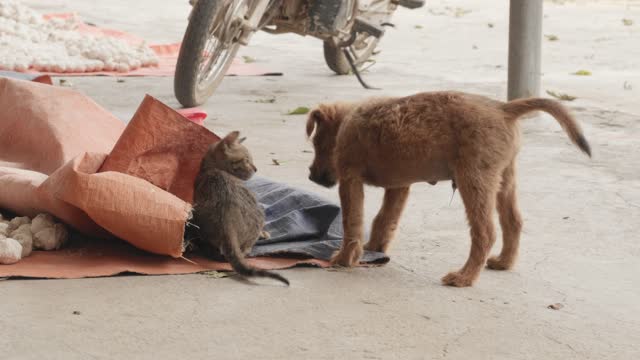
(231, 156)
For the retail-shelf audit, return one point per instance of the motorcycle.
(350, 30)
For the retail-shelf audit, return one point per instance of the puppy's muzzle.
(324, 179)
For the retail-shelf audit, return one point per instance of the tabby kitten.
(228, 214)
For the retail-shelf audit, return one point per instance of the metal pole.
(525, 37)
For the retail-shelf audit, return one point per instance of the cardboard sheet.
(108, 258)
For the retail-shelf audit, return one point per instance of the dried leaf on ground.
(248, 59)
(627, 22)
(551, 37)
(582, 73)
(460, 12)
(561, 96)
(449, 11)
(275, 162)
(418, 26)
(300, 110)
(265, 101)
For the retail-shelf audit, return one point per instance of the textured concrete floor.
(579, 246)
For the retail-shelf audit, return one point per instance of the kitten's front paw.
(265, 234)
(346, 258)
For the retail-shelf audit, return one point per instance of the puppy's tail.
(516, 108)
(235, 258)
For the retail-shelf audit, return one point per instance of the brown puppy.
(428, 137)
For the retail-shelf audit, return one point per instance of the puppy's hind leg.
(510, 221)
(352, 202)
(386, 222)
(478, 191)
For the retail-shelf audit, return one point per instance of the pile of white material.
(27, 41)
(21, 235)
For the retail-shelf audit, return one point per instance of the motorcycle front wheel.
(208, 48)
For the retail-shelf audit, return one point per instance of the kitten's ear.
(231, 138)
(315, 117)
(242, 140)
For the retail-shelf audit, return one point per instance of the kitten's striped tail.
(241, 267)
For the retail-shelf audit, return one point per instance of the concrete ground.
(579, 247)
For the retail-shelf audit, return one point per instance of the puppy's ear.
(315, 117)
(231, 138)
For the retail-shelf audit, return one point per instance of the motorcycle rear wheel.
(208, 48)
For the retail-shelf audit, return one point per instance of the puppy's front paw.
(264, 234)
(498, 263)
(346, 258)
(457, 279)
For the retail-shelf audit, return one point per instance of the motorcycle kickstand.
(356, 72)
